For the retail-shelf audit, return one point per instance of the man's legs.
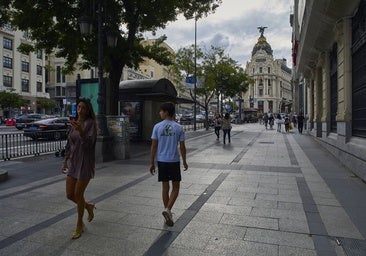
(169, 200)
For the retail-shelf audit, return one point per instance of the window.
(25, 85)
(151, 73)
(269, 70)
(8, 26)
(46, 74)
(39, 54)
(260, 92)
(8, 43)
(25, 66)
(39, 70)
(26, 34)
(7, 62)
(260, 70)
(58, 91)
(58, 74)
(270, 105)
(39, 87)
(253, 70)
(261, 81)
(8, 81)
(269, 82)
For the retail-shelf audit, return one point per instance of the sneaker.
(168, 217)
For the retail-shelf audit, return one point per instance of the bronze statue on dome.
(261, 30)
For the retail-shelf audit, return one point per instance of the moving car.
(51, 128)
(23, 120)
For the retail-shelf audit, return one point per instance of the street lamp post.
(101, 118)
(85, 24)
(195, 75)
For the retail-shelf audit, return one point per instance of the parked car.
(10, 121)
(51, 128)
(186, 119)
(25, 119)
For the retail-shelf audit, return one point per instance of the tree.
(46, 103)
(10, 100)
(56, 27)
(218, 72)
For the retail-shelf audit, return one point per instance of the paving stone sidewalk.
(265, 193)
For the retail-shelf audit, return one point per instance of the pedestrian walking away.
(79, 163)
(166, 136)
(265, 120)
(287, 124)
(300, 122)
(226, 127)
(217, 124)
(271, 121)
(279, 122)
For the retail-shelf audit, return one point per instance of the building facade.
(329, 50)
(271, 90)
(21, 73)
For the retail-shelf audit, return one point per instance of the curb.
(3, 175)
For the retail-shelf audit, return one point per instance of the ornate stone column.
(324, 62)
(343, 31)
(318, 99)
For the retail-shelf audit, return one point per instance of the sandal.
(76, 234)
(91, 212)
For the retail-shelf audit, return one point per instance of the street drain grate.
(353, 247)
(266, 142)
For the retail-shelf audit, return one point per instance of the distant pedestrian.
(166, 136)
(287, 123)
(226, 127)
(279, 122)
(294, 120)
(217, 124)
(79, 164)
(265, 119)
(300, 122)
(271, 121)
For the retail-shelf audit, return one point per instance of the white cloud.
(234, 26)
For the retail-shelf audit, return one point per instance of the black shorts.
(169, 171)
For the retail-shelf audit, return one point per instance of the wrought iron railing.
(20, 144)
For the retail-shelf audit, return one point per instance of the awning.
(150, 89)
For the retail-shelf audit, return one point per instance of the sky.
(234, 27)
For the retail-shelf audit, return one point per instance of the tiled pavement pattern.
(265, 193)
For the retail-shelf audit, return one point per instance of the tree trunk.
(113, 90)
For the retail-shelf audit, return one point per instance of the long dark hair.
(89, 109)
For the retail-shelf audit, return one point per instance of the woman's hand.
(77, 126)
(64, 167)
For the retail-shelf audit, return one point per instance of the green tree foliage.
(54, 25)
(9, 100)
(216, 71)
(46, 103)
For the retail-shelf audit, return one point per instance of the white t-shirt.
(169, 134)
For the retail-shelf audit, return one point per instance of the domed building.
(271, 90)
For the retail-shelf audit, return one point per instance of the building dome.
(262, 45)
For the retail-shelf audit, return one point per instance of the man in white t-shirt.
(165, 137)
